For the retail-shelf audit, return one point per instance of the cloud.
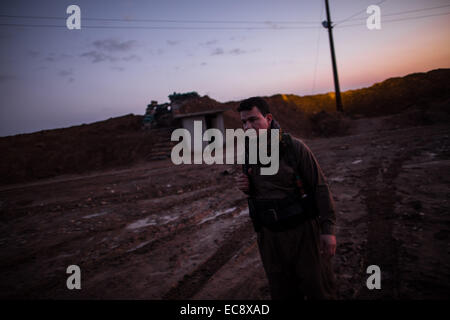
(156, 52)
(217, 51)
(238, 38)
(203, 64)
(132, 57)
(33, 53)
(97, 56)
(272, 25)
(173, 42)
(113, 45)
(111, 50)
(209, 42)
(237, 51)
(53, 57)
(40, 68)
(120, 69)
(65, 73)
(220, 51)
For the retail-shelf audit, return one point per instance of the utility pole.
(327, 24)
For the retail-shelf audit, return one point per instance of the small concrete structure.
(182, 111)
(210, 119)
(187, 108)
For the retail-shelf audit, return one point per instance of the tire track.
(382, 248)
(193, 282)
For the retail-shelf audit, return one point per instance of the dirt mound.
(196, 104)
(310, 116)
(395, 95)
(417, 99)
(330, 124)
(388, 97)
(114, 142)
(291, 118)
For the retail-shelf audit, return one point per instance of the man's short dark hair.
(258, 102)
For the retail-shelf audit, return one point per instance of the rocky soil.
(160, 231)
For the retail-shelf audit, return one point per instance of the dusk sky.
(52, 77)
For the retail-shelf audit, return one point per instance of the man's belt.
(270, 212)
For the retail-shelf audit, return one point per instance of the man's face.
(253, 119)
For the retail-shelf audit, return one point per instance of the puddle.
(151, 221)
(337, 179)
(217, 214)
(244, 212)
(139, 246)
(95, 215)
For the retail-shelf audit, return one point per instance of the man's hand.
(243, 182)
(328, 245)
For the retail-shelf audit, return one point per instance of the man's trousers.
(294, 265)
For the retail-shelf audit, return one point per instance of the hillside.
(109, 143)
(426, 92)
(421, 98)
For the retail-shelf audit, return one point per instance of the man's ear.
(269, 118)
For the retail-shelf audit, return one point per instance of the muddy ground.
(160, 231)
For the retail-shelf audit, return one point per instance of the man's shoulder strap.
(289, 150)
(291, 157)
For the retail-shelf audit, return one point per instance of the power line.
(161, 20)
(158, 27)
(400, 19)
(356, 14)
(317, 50)
(404, 12)
(128, 20)
(215, 28)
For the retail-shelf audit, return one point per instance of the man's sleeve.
(315, 179)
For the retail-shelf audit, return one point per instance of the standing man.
(292, 212)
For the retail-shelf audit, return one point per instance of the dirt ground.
(160, 231)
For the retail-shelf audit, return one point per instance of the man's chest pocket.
(284, 178)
